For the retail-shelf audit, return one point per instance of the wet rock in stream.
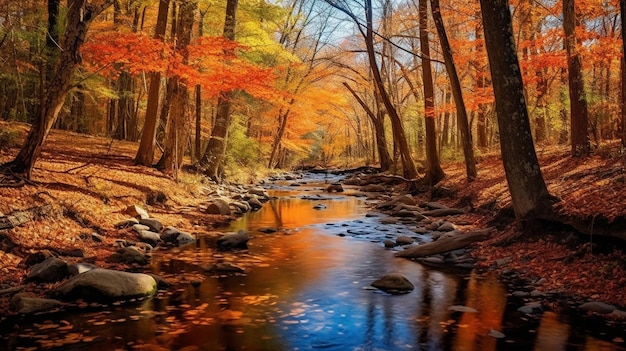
(394, 283)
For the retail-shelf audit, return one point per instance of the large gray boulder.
(106, 285)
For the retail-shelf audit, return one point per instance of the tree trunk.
(283, 116)
(63, 61)
(198, 125)
(178, 125)
(379, 131)
(408, 166)
(529, 194)
(125, 120)
(622, 13)
(578, 102)
(482, 82)
(215, 152)
(198, 133)
(145, 153)
(434, 173)
(455, 83)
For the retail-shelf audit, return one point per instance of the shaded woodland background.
(302, 82)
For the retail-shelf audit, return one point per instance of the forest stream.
(307, 286)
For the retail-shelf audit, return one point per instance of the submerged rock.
(394, 283)
(597, 307)
(24, 304)
(531, 308)
(404, 240)
(461, 308)
(233, 240)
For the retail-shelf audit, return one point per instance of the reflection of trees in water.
(488, 297)
(552, 335)
(442, 290)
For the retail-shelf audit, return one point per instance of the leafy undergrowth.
(91, 181)
(565, 261)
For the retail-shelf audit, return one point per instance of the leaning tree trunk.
(63, 61)
(408, 166)
(578, 102)
(213, 158)
(455, 83)
(529, 194)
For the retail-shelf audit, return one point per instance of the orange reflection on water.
(552, 334)
(593, 344)
(488, 297)
(290, 213)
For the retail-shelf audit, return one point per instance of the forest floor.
(90, 181)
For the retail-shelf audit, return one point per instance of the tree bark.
(622, 13)
(62, 60)
(214, 155)
(434, 173)
(176, 138)
(408, 166)
(578, 102)
(455, 83)
(482, 82)
(529, 194)
(145, 153)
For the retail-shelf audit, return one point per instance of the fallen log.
(441, 212)
(446, 244)
(18, 218)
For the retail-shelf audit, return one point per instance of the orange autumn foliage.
(214, 63)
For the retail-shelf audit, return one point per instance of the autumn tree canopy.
(320, 82)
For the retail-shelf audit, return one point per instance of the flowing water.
(307, 287)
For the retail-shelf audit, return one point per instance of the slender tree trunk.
(408, 166)
(455, 83)
(124, 119)
(445, 130)
(213, 158)
(63, 58)
(379, 131)
(198, 125)
(578, 101)
(482, 82)
(622, 13)
(145, 153)
(283, 116)
(434, 173)
(198, 133)
(529, 194)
